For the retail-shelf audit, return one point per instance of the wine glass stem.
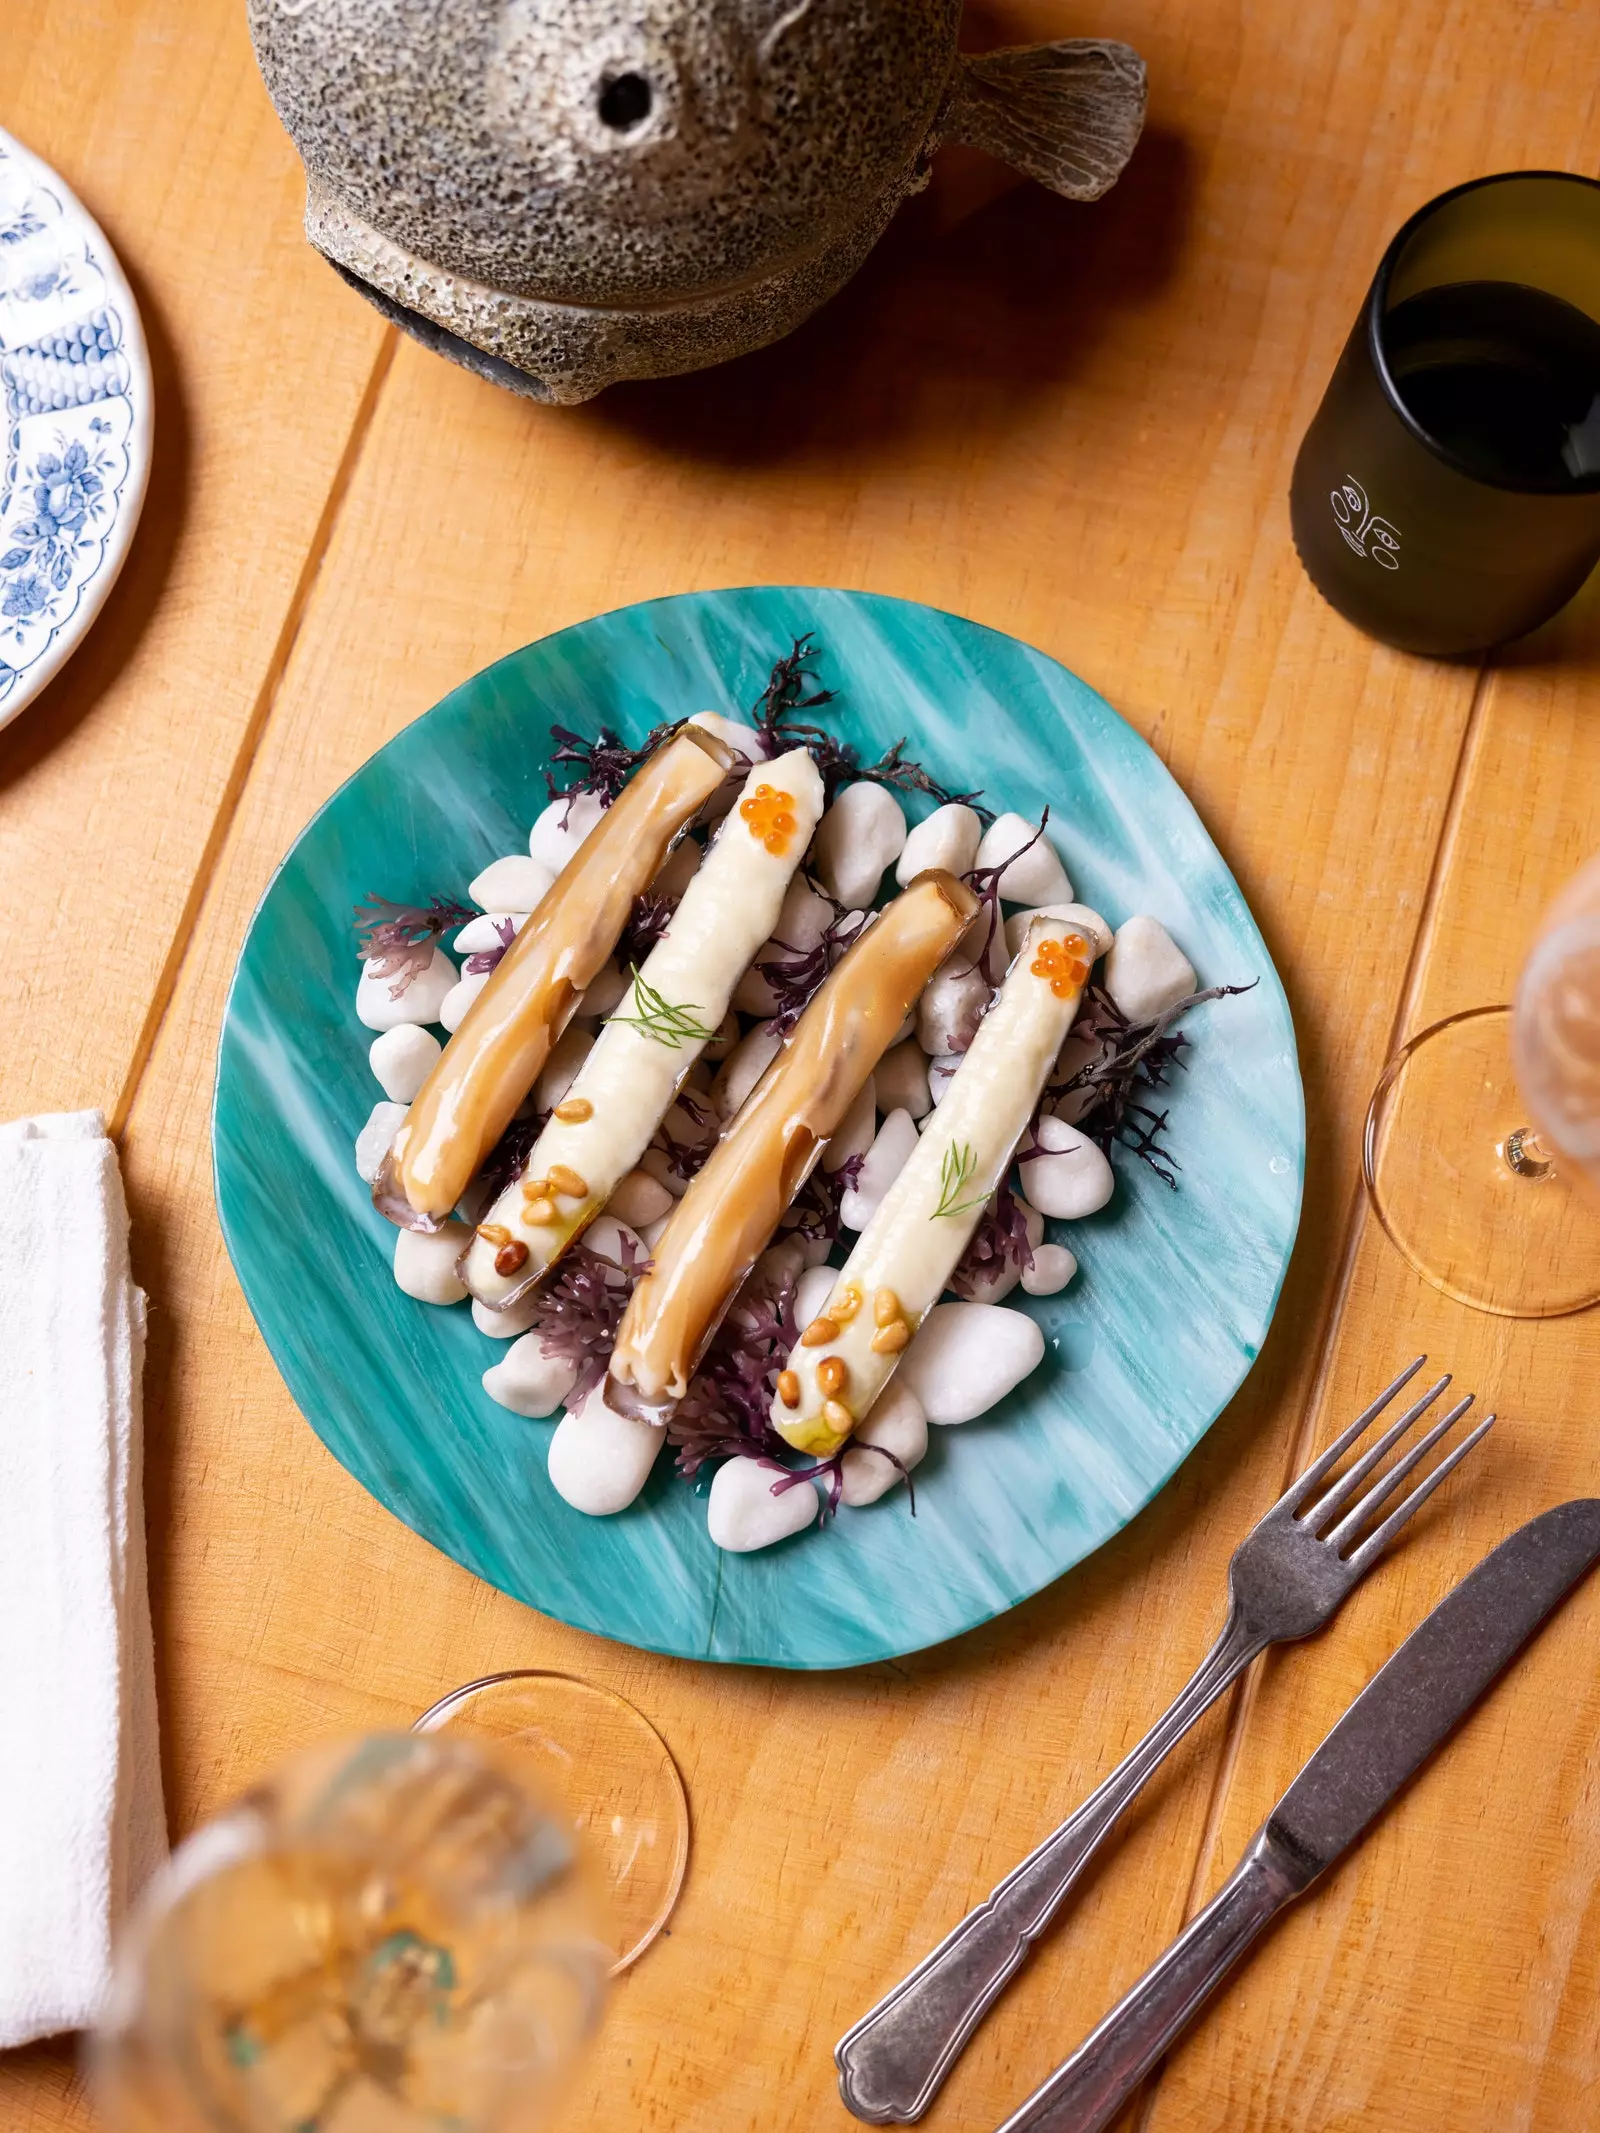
(1525, 1155)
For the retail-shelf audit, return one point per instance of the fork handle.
(1086, 2092)
(894, 2061)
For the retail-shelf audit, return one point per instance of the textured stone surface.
(564, 192)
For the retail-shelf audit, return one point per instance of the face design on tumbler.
(1361, 528)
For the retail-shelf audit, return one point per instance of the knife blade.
(1408, 1709)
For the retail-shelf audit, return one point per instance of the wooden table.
(1075, 424)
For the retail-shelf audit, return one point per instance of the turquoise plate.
(1144, 1349)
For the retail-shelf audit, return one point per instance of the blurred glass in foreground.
(386, 1936)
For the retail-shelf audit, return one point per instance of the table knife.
(1408, 1708)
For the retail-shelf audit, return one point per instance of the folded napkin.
(81, 1822)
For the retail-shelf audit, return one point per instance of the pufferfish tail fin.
(1067, 114)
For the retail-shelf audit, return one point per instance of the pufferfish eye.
(625, 101)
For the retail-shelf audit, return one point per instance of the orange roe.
(771, 817)
(1064, 963)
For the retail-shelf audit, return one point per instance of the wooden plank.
(1077, 426)
(1443, 1976)
(111, 783)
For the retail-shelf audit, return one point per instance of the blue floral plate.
(1144, 1349)
(78, 410)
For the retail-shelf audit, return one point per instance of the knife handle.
(1086, 2092)
(893, 2062)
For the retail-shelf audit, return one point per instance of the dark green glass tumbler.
(1447, 495)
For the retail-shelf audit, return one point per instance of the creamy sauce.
(497, 1053)
(628, 1083)
(905, 1256)
(732, 1208)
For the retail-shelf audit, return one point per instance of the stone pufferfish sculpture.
(561, 193)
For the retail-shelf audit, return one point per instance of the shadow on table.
(971, 307)
(114, 636)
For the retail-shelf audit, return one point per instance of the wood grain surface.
(1073, 423)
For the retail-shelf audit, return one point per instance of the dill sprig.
(955, 1175)
(663, 1020)
(397, 940)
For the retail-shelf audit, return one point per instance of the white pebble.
(901, 1080)
(515, 883)
(853, 1135)
(420, 1001)
(1053, 1267)
(967, 1356)
(506, 1325)
(567, 1054)
(947, 838)
(803, 920)
(753, 995)
(803, 917)
(603, 996)
(899, 1425)
(677, 870)
(721, 1044)
(1074, 1055)
(617, 1241)
(814, 1250)
(954, 1001)
(1073, 1178)
(885, 1160)
(402, 1058)
(780, 1263)
(984, 944)
(481, 936)
(742, 1513)
(1007, 1274)
(553, 841)
(743, 1068)
(600, 1460)
(640, 1200)
(1146, 971)
(941, 1072)
(653, 1232)
(657, 1167)
(733, 733)
(453, 1007)
(528, 1381)
(812, 1291)
(1090, 923)
(1035, 876)
(376, 1138)
(425, 1262)
(860, 835)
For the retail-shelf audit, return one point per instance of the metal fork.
(1287, 1578)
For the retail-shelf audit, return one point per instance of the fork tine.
(1386, 1484)
(1321, 1514)
(1296, 1493)
(1371, 1548)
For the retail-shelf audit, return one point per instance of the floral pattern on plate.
(76, 404)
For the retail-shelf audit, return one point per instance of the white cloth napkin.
(81, 1823)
